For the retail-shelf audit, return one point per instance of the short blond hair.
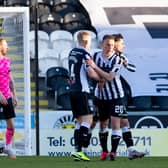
(81, 34)
(1, 40)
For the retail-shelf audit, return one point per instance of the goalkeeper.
(8, 99)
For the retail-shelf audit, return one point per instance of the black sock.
(115, 139)
(103, 141)
(76, 140)
(127, 137)
(87, 142)
(83, 141)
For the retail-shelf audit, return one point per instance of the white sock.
(8, 146)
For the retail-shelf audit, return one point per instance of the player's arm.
(13, 90)
(92, 73)
(102, 74)
(108, 76)
(130, 67)
(3, 100)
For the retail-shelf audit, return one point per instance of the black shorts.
(108, 108)
(96, 113)
(104, 109)
(119, 108)
(7, 111)
(81, 104)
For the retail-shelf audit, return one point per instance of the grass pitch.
(68, 162)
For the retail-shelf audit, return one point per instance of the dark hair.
(107, 36)
(118, 37)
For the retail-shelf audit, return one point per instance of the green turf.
(67, 162)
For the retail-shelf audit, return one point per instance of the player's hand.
(91, 63)
(101, 84)
(3, 100)
(125, 63)
(15, 101)
(124, 60)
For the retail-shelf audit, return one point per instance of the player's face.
(108, 46)
(4, 47)
(86, 41)
(120, 45)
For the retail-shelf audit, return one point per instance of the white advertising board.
(58, 142)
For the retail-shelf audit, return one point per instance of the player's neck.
(1, 55)
(108, 54)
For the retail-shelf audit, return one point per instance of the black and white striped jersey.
(77, 70)
(112, 89)
(129, 67)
